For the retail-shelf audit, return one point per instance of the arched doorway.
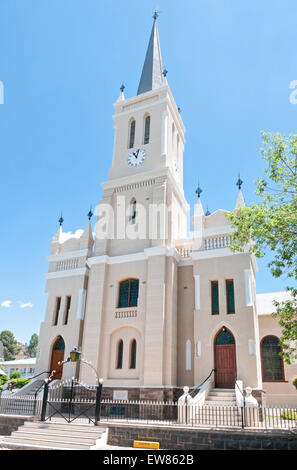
(57, 356)
(225, 359)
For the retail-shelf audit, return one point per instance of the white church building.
(152, 306)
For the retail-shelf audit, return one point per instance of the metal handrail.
(199, 386)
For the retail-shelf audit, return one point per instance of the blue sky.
(62, 62)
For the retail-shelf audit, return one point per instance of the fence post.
(44, 400)
(98, 401)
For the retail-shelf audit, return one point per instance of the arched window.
(224, 337)
(133, 211)
(272, 363)
(132, 133)
(147, 125)
(133, 354)
(120, 349)
(129, 293)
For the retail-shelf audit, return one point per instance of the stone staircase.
(219, 410)
(221, 396)
(55, 435)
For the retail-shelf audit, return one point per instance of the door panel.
(57, 356)
(225, 365)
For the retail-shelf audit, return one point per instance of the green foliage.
(272, 224)
(3, 380)
(289, 414)
(15, 374)
(10, 347)
(294, 382)
(19, 382)
(31, 348)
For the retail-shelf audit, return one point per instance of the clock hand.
(137, 152)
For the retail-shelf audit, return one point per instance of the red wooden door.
(57, 356)
(225, 365)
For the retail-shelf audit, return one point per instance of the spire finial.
(156, 14)
(198, 191)
(165, 72)
(239, 182)
(61, 220)
(122, 88)
(90, 213)
(207, 211)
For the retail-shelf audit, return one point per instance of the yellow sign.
(146, 445)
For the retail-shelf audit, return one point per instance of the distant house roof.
(31, 361)
(265, 301)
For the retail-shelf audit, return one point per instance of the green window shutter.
(230, 296)
(124, 294)
(134, 287)
(215, 297)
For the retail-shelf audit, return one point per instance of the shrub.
(15, 375)
(19, 382)
(3, 380)
(294, 382)
(289, 414)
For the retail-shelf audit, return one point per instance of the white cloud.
(6, 303)
(28, 305)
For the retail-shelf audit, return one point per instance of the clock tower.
(147, 166)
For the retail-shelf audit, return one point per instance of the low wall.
(189, 439)
(9, 423)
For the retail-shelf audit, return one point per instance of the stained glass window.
(214, 297)
(230, 296)
(129, 293)
(133, 354)
(272, 364)
(60, 345)
(120, 354)
(224, 337)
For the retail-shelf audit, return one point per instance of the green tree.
(10, 346)
(31, 348)
(271, 224)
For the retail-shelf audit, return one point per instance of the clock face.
(136, 158)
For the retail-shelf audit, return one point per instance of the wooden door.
(57, 356)
(225, 360)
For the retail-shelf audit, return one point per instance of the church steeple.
(152, 76)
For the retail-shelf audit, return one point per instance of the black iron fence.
(72, 401)
(25, 405)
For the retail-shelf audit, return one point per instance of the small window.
(215, 298)
(57, 310)
(120, 349)
(133, 354)
(230, 296)
(132, 133)
(133, 212)
(67, 309)
(272, 363)
(147, 125)
(129, 293)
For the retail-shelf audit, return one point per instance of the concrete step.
(220, 399)
(42, 443)
(69, 437)
(87, 430)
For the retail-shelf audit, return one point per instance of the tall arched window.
(272, 363)
(129, 293)
(120, 348)
(133, 354)
(133, 211)
(132, 133)
(147, 125)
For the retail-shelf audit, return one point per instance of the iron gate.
(71, 400)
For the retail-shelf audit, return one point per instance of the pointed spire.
(152, 76)
(122, 96)
(240, 199)
(207, 211)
